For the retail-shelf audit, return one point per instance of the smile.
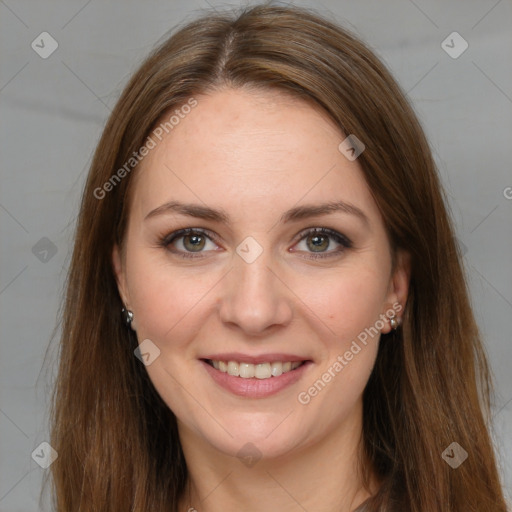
(258, 379)
(258, 371)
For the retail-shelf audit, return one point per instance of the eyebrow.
(294, 214)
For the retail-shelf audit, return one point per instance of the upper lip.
(261, 358)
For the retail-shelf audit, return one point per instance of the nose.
(254, 298)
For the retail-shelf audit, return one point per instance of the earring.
(394, 322)
(127, 316)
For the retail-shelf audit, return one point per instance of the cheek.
(169, 305)
(346, 302)
(350, 306)
(167, 301)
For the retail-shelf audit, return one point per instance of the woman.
(266, 308)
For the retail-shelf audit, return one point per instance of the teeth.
(260, 370)
(247, 370)
(276, 369)
(232, 368)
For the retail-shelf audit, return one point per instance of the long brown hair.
(117, 440)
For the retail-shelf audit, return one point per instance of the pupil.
(319, 242)
(194, 242)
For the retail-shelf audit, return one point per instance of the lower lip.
(253, 387)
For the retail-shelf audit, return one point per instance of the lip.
(253, 387)
(261, 358)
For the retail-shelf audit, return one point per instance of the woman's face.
(285, 262)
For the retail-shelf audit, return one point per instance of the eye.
(186, 242)
(322, 243)
(317, 242)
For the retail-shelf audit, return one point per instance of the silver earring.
(393, 321)
(128, 316)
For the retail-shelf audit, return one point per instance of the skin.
(255, 155)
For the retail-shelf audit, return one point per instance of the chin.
(259, 436)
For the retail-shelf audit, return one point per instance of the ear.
(117, 263)
(398, 290)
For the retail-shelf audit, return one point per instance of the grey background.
(52, 115)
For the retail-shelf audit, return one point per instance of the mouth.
(251, 377)
(263, 370)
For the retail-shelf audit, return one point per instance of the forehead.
(256, 151)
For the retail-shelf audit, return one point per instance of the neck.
(323, 476)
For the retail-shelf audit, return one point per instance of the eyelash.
(337, 237)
